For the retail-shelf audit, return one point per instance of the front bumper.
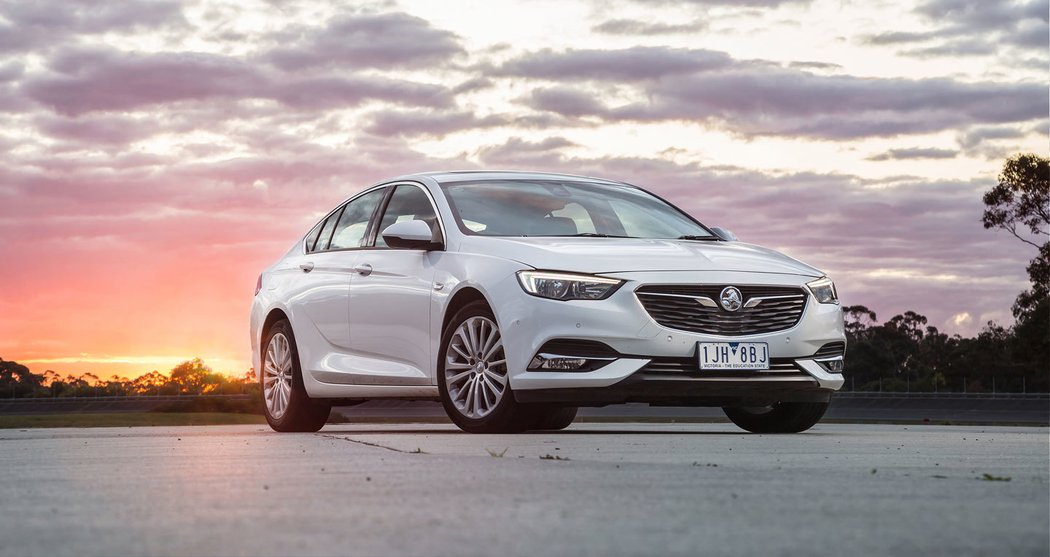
(723, 391)
(641, 373)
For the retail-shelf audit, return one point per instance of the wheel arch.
(275, 315)
(461, 298)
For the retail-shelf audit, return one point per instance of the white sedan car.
(515, 298)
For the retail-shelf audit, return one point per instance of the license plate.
(733, 355)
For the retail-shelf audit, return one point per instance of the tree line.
(191, 377)
(906, 354)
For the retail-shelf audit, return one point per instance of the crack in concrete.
(377, 445)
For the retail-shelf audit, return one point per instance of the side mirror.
(411, 234)
(724, 233)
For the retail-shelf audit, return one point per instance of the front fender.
(494, 277)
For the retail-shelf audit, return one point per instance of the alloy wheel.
(277, 376)
(476, 367)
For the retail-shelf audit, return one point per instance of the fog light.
(834, 365)
(557, 363)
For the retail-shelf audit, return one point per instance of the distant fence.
(941, 395)
(100, 404)
(998, 408)
(160, 398)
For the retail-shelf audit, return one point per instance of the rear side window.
(311, 238)
(326, 232)
(353, 225)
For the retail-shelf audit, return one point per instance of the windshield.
(556, 208)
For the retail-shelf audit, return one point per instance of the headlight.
(824, 291)
(564, 286)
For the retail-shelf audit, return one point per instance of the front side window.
(553, 208)
(353, 224)
(407, 203)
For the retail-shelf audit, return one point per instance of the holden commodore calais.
(515, 298)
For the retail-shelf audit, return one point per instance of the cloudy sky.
(156, 155)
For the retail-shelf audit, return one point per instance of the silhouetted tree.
(149, 384)
(1021, 199)
(16, 380)
(190, 376)
(859, 320)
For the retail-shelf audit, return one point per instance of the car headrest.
(557, 226)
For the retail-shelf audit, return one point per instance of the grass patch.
(213, 405)
(127, 419)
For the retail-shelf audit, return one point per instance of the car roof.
(452, 176)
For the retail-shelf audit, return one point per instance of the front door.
(390, 300)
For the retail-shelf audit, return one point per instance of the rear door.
(328, 268)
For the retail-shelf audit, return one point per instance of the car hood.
(617, 255)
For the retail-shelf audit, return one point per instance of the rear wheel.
(781, 417)
(285, 403)
(472, 375)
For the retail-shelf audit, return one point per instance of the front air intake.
(572, 355)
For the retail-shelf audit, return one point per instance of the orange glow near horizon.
(128, 367)
(106, 316)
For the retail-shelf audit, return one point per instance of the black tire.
(507, 416)
(302, 413)
(782, 417)
(552, 418)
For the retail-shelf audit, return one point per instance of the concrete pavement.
(597, 489)
(845, 407)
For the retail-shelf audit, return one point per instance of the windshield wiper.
(594, 235)
(700, 238)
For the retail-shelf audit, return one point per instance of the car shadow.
(351, 430)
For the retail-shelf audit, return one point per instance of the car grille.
(680, 307)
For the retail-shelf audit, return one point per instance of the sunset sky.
(157, 155)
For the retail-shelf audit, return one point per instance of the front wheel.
(473, 376)
(781, 417)
(285, 403)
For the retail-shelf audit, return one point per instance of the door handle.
(363, 269)
(306, 267)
